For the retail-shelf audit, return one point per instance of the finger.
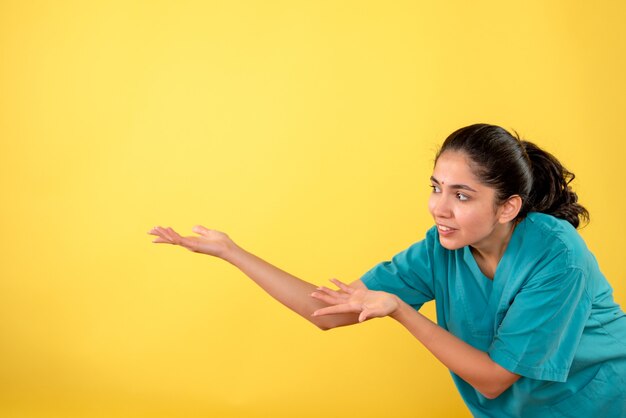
(160, 240)
(158, 231)
(162, 232)
(329, 299)
(342, 286)
(370, 312)
(335, 297)
(336, 309)
(175, 236)
(332, 292)
(154, 230)
(170, 234)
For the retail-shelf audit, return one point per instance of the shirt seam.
(556, 373)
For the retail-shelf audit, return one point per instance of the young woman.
(526, 321)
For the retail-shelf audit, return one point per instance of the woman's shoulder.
(548, 225)
(551, 236)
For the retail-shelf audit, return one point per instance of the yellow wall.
(304, 129)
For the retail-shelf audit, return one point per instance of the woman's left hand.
(367, 303)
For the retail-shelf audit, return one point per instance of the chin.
(448, 245)
(451, 244)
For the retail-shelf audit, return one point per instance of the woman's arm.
(282, 286)
(472, 365)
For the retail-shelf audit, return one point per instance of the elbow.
(325, 325)
(321, 326)
(491, 394)
(493, 391)
(321, 322)
(497, 383)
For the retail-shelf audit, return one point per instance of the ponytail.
(551, 192)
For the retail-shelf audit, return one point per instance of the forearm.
(289, 290)
(472, 365)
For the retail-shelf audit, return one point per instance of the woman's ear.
(510, 209)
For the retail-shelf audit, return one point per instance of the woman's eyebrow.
(454, 186)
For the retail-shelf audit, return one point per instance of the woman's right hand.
(282, 286)
(208, 242)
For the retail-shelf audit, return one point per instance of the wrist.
(231, 253)
(398, 313)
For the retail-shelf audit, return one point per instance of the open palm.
(367, 303)
(208, 241)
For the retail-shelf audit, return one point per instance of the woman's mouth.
(445, 230)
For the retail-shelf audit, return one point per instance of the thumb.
(363, 315)
(199, 229)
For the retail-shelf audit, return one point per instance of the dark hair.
(513, 166)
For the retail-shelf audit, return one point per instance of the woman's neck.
(489, 254)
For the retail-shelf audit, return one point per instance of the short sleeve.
(409, 274)
(542, 328)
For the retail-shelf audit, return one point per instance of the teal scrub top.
(547, 315)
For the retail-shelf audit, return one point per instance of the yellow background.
(304, 129)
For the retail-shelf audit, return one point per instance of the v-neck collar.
(484, 283)
(491, 289)
(473, 264)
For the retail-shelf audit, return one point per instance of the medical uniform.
(547, 315)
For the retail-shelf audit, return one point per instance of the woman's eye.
(436, 189)
(462, 197)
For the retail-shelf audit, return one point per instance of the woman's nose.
(441, 207)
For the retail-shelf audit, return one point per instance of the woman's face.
(463, 208)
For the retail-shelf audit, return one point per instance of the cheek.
(474, 221)
(467, 219)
